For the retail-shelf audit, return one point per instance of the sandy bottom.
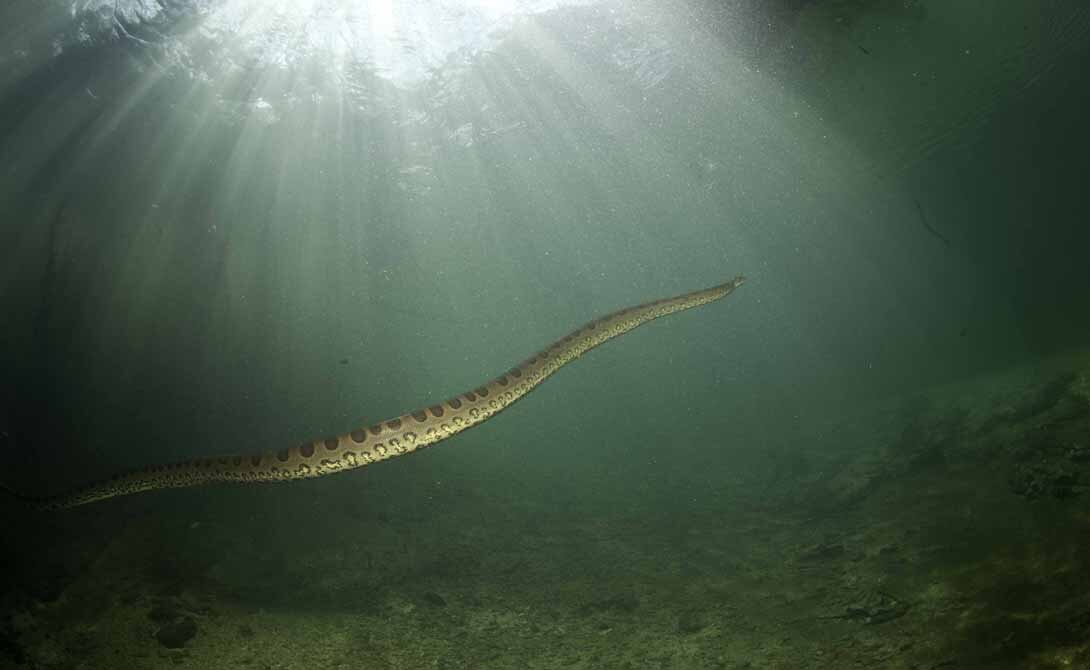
(940, 531)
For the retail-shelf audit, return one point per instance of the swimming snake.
(394, 437)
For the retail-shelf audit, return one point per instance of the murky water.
(234, 227)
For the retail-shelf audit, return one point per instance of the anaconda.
(397, 436)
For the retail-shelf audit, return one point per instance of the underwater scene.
(544, 334)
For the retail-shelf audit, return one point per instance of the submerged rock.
(174, 635)
(690, 622)
(876, 607)
(1050, 466)
(822, 552)
(164, 612)
(434, 599)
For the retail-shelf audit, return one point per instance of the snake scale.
(394, 437)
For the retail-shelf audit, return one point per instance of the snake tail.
(397, 436)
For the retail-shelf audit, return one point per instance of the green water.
(232, 226)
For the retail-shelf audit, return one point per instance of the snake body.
(394, 437)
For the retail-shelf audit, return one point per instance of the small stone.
(434, 599)
(174, 635)
(689, 623)
(164, 613)
(822, 552)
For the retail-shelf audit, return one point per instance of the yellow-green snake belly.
(394, 437)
